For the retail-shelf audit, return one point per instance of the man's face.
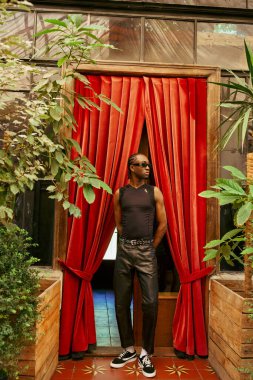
(141, 167)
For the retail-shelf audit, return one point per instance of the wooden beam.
(149, 69)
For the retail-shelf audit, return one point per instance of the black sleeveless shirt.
(138, 211)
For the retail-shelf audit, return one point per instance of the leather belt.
(136, 241)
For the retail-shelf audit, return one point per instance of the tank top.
(137, 211)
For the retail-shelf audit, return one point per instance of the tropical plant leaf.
(56, 22)
(209, 194)
(75, 145)
(95, 182)
(46, 31)
(213, 243)
(230, 234)
(243, 214)
(230, 131)
(225, 250)
(245, 125)
(227, 199)
(109, 102)
(88, 193)
(210, 254)
(237, 258)
(66, 205)
(247, 251)
(106, 187)
(231, 185)
(249, 57)
(235, 172)
(51, 188)
(14, 189)
(62, 60)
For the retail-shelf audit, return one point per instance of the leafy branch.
(241, 114)
(238, 192)
(38, 147)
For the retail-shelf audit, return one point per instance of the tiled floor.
(168, 368)
(98, 368)
(106, 325)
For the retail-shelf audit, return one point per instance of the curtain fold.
(107, 138)
(175, 110)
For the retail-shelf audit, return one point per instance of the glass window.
(233, 145)
(222, 44)
(222, 3)
(211, 3)
(34, 212)
(20, 24)
(124, 33)
(11, 117)
(168, 41)
(44, 40)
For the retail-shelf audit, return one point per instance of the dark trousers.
(141, 259)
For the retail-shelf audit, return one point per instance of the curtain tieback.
(82, 274)
(190, 277)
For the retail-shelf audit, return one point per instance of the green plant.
(241, 109)
(39, 146)
(231, 191)
(237, 191)
(18, 297)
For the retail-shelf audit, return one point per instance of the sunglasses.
(143, 164)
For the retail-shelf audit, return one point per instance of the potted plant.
(231, 302)
(37, 148)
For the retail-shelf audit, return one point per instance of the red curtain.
(176, 125)
(107, 138)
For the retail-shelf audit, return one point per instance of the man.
(137, 207)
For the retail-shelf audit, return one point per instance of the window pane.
(11, 117)
(211, 3)
(168, 41)
(20, 24)
(221, 44)
(250, 4)
(124, 33)
(34, 212)
(44, 40)
(222, 3)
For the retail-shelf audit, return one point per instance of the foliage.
(241, 114)
(18, 303)
(38, 148)
(232, 191)
(248, 371)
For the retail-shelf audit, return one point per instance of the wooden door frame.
(212, 74)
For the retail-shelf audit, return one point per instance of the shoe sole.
(145, 373)
(123, 364)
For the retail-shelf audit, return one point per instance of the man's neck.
(137, 182)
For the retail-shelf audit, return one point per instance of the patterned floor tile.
(98, 368)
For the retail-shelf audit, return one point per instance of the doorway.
(212, 224)
(102, 286)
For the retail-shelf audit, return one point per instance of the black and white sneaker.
(123, 359)
(148, 369)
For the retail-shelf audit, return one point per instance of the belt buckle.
(133, 242)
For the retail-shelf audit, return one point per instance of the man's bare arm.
(160, 217)
(117, 213)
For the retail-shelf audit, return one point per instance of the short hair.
(131, 161)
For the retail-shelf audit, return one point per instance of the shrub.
(18, 296)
